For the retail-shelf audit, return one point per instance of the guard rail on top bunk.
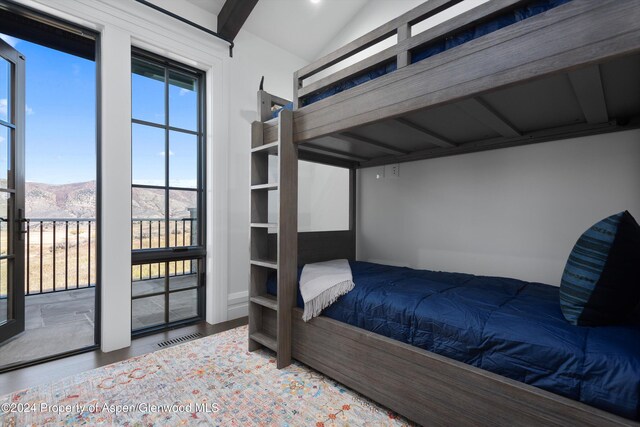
(414, 74)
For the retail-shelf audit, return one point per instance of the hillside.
(78, 200)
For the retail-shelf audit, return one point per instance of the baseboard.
(237, 305)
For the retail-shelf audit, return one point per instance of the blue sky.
(148, 149)
(61, 122)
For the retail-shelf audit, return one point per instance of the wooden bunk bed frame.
(583, 50)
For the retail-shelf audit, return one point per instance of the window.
(167, 195)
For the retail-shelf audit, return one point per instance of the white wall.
(323, 197)
(115, 182)
(514, 212)
(375, 14)
(190, 11)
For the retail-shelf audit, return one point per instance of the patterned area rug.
(211, 381)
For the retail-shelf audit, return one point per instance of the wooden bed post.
(287, 236)
(296, 86)
(403, 58)
(264, 106)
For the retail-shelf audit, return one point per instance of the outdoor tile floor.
(63, 321)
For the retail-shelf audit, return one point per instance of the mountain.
(78, 200)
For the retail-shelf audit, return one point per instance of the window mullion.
(166, 157)
(166, 191)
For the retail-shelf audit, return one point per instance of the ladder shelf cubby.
(273, 244)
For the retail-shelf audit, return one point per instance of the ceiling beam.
(233, 15)
(431, 137)
(361, 140)
(482, 112)
(587, 85)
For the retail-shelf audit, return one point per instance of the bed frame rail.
(428, 388)
(318, 246)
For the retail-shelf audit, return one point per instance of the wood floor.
(57, 369)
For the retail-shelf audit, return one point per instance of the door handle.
(22, 221)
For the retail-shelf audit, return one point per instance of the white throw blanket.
(322, 283)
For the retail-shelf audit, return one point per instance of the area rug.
(210, 381)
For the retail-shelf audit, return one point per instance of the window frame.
(195, 253)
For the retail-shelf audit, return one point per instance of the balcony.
(60, 278)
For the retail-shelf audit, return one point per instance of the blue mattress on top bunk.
(527, 10)
(506, 326)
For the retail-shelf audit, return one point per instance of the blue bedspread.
(506, 326)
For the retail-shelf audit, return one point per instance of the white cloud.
(12, 41)
(29, 111)
(161, 154)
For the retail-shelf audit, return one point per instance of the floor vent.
(179, 340)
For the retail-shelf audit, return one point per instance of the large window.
(167, 135)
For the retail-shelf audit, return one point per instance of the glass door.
(12, 112)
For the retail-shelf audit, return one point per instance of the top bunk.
(506, 73)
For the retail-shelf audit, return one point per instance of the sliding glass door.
(167, 193)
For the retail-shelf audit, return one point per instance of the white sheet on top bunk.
(322, 283)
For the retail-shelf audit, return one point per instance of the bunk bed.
(513, 72)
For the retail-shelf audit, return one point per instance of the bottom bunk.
(428, 388)
(447, 347)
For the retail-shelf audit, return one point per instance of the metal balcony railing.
(60, 252)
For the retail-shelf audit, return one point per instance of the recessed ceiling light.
(315, 1)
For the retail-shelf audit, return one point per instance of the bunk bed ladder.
(273, 245)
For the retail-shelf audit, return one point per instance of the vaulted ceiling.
(298, 26)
